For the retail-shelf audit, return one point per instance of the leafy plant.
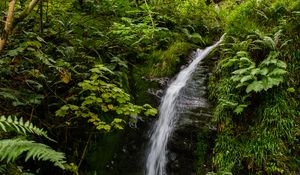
(258, 58)
(165, 62)
(267, 74)
(139, 34)
(18, 125)
(13, 148)
(100, 98)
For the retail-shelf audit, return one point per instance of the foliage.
(101, 97)
(21, 127)
(251, 88)
(142, 33)
(166, 62)
(263, 77)
(13, 148)
(83, 60)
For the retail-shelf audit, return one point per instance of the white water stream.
(164, 126)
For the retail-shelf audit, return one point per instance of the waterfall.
(156, 161)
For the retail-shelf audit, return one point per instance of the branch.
(28, 9)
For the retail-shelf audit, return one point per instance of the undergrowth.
(255, 89)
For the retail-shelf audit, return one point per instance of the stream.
(182, 96)
(170, 144)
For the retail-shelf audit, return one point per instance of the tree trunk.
(41, 18)
(8, 24)
(11, 23)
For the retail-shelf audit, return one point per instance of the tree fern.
(18, 125)
(11, 149)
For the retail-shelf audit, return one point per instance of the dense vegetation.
(73, 71)
(255, 88)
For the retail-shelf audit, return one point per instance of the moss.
(140, 85)
(166, 62)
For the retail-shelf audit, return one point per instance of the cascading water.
(166, 123)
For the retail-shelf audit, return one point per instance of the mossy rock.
(166, 62)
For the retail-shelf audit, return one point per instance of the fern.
(11, 149)
(273, 43)
(19, 126)
(194, 37)
(267, 74)
(3, 169)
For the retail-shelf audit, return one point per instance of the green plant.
(13, 148)
(103, 99)
(253, 89)
(138, 34)
(18, 125)
(267, 74)
(165, 62)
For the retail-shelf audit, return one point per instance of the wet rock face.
(193, 119)
(129, 149)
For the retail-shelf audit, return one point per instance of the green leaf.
(266, 83)
(246, 78)
(256, 86)
(241, 71)
(11, 149)
(44, 58)
(15, 52)
(264, 71)
(230, 62)
(121, 100)
(18, 125)
(242, 84)
(255, 71)
(277, 71)
(110, 106)
(118, 123)
(73, 107)
(104, 127)
(269, 42)
(35, 84)
(106, 96)
(88, 102)
(119, 111)
(247, 60)
(104, 108)
(275, 80)
(281, 64)
(62, 111)
(100, 69)
(291, 90)
(239, 109)
(228, 103)
(243, 54)
(151, 112)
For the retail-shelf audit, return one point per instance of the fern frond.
(3, 169)
(269, 42)
(19, 126)
(11, 149)
(277, 36)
